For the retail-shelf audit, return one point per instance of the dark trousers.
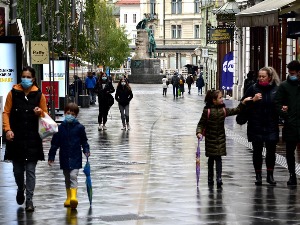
(211, 160)
(270, 155)
(189, 88)
(103, 112)
(290, 155)
(175, 91)
(165, 91)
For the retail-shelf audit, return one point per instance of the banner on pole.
(39, 52)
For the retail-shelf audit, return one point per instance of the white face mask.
(123, 83)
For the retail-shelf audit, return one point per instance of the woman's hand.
(10, 135)
(50, 162)
(87, 154)
(37, 111)
(284, 108)
(246, 100)
(257, 97)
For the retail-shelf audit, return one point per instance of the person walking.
(175, 83)
(200, 83)
(70, 138)
(90, 83)
(123, 96)
(190, 81)
(181, 85)
(262, 128)
(249, 81)
(24, 105)
(165, 83)
(287, 102)
(105, 99)
(211, 124)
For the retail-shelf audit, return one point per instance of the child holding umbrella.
(212, 124)
(70, 138)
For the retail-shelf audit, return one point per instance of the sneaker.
(123, 128)
(20, 196)
(100, 127)
(128, 126)
(29, 206)
(104, 127)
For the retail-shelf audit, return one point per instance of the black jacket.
(263, 117)
(27, 144)
(104, 90)
(123, 95)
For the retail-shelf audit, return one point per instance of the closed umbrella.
(88, 181)
(198, 162)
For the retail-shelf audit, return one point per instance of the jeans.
(29, 167)
(71, 178)
(90, 92)
(103, 112)
(124, 110)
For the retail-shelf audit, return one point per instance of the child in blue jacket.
(70, 138)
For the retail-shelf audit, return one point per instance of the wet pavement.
(146, 176)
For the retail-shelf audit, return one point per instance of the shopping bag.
(47, 126)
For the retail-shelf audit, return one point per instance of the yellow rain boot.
(67, 202)
(73, 200)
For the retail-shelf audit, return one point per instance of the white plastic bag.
(47, 126)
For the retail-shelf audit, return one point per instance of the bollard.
(85, 101)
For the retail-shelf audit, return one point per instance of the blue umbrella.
(88, 181)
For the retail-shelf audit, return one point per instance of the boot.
(258, 181)
(67, 202)
(73, 199)
(292, 180)
(270, 178)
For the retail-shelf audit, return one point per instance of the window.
(173, 29)
(176, 6)
(173, 6)
(197, 6)
(176, 31)
(152, 7)
(197, 31)
(179, 6)
(125, 18)
(134, 18)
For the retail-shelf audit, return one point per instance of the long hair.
(272, 74)
(126, 84)
(32, 71)
(210, 96)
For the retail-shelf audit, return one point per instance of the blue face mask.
(70, 118)
(293, 77)
(104, 78)
(26, 83)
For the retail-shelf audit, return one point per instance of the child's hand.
(50, 162)
(199, 136)
(247, 99)
(87, 154)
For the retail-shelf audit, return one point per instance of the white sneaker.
(128, 126)
(100, 127)
(104, 127)
(123, 128)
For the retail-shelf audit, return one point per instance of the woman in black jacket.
(123, 97)
(262, 129)
(104, 88)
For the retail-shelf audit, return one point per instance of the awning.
(263, 14)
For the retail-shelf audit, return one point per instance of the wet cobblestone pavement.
(146, 176)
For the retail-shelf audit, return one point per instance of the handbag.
(110, 100)
(242, 117)
(47, 126)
